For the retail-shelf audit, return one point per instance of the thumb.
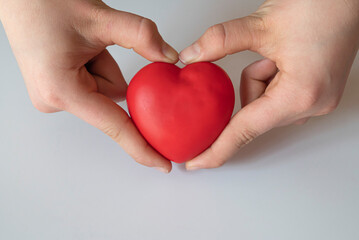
(253, 120)
(133, 32)
(224, 39)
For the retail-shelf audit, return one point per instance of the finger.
(253, 120)
(132, 31)
(226, 38)
(36, 100)
(43, 107)
(103, 113)
(255, 80)
(108, 76)
(302, 121)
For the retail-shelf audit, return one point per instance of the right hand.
(60, 46)
(308, 47)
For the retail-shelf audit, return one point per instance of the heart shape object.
(180, 112)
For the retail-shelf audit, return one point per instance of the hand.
(309, 47)
(60, 46)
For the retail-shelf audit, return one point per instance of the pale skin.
(308, 48)
(60, 46)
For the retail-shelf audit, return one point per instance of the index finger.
(130, 31)
(101, 112)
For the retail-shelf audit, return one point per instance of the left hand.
(60, 46)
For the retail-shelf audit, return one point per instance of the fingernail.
(162, 169)
(190, 54)
(170, 53)
(192, 166)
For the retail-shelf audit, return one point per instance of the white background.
(63, 179)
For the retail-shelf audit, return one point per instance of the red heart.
(180, 112)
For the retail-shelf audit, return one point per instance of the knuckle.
(118, 97)
(217, 30)
(316, 83)
(93, 21)
(117, 94)
(99, 20)
(120, 94)
(114, 133)
(40, 106)
(218, 159)
(330, 108)
(259, 22)
(246, 73)
(147, 31)
(217, 164)
(217, 33)
(94, 14)
(306, 101)
(301, 122)
(52, 98)
(98, 12)
(311, 98)
(255, 26)
(140, 158)
(244, 137)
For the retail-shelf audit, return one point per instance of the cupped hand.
(308, 46)
(60, 46)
